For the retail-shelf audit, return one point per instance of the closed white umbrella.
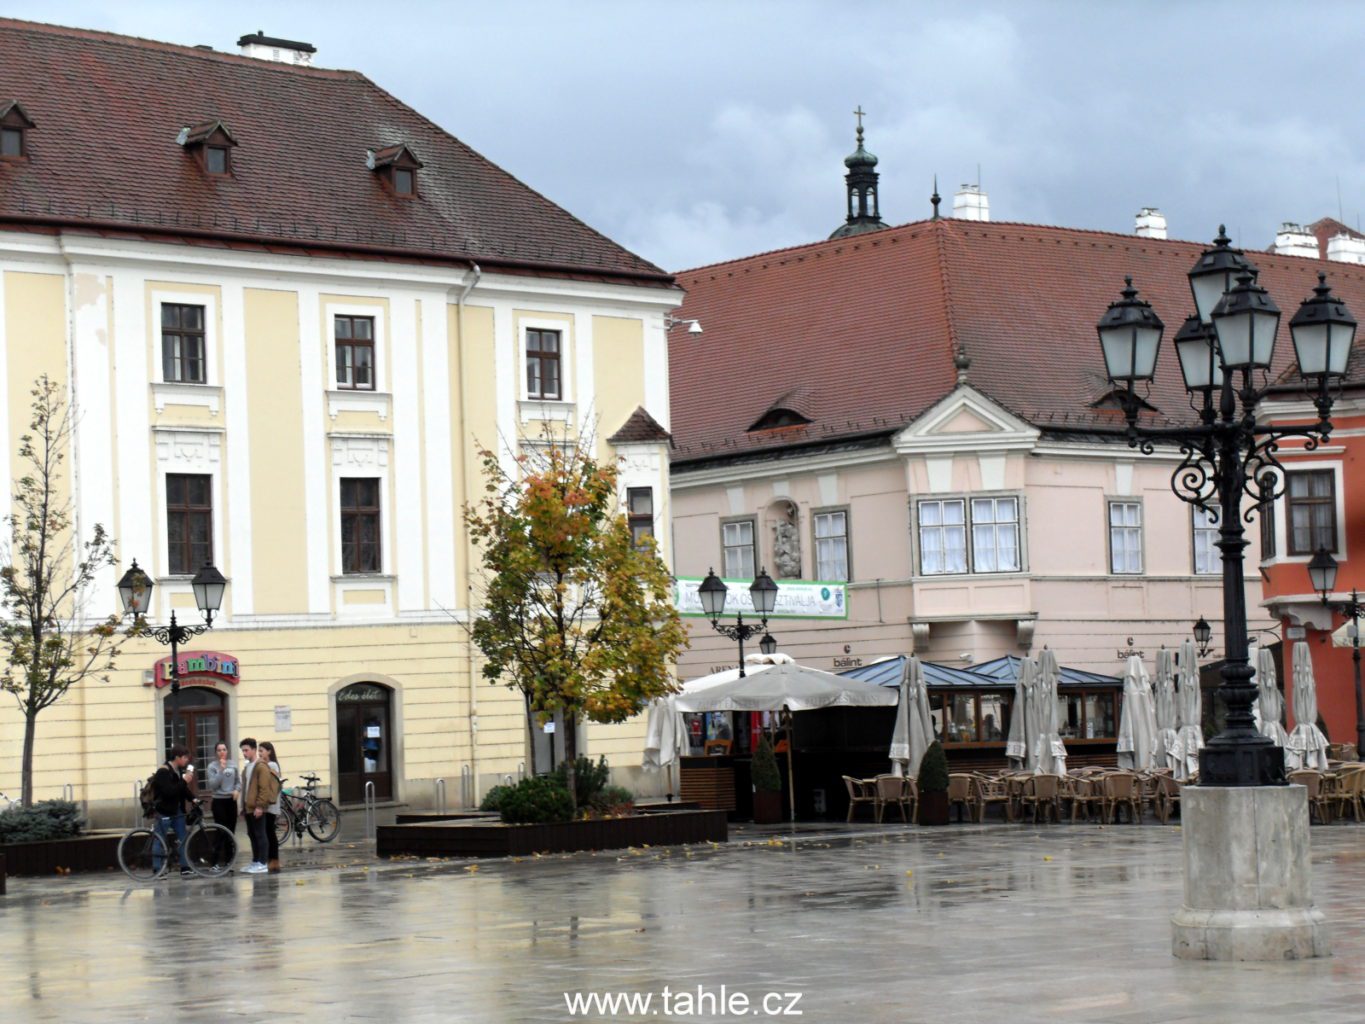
(914, 730)
(1167, 717)
(1033, 707)
(1269, 702)
(665, 738)
(1137, 720)
(1190, 735)
(1018, 744)
(1307, 746)
(1051, 750)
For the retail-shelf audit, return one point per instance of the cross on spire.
(860, 112)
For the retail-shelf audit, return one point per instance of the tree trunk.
(571, 755)
(530, 737)
(26, 765)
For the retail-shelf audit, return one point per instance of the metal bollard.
(439, 795)
(69, 792)
(137, 802)
(370, 811)
(521, 771)
(507, 780)
(466, 787)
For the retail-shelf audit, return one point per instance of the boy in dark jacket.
(173, 795)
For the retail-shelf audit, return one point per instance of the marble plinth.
(1248, 876)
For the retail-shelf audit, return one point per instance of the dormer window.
(14, 124)
(398, 166)
(211, 142)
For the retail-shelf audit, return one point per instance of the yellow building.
(289, 310)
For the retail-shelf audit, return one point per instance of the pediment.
(962, 420)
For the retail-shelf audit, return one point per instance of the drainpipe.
(473, 279)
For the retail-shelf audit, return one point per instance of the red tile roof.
(640, 427)
(867, 327)
(103, 154)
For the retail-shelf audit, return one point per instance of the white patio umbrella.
(1051, 750)
(1307, 746)
(1033, 710)
(1167, 717)
(1189, 701)
(914, 731)
(787, 687)
(1269, 702)
(665, 738)
(1137, 718)
(1018, 744)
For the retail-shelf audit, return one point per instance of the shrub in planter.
(767, 781)
(492, 800)
(536, 801)
(50, 819)
(933, 786)
(588, 779)
(614, 801)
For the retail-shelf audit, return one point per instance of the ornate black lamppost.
(763, 591)
(135, 590)
(1322, 571)
(1225, 351)
(1203, 636)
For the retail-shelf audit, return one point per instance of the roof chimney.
(1295, 240)
(1151, 223)
(284, 51)
(970, 203)
(1344, 248)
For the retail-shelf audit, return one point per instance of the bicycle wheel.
(211, 850)
(142, 855)
(324, 821)
(284, 823)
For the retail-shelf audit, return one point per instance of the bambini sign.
(217, 667)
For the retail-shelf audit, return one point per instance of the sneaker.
(254, 869)
(186, 873)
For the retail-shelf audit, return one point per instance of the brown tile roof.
(868, 327)
(103, 154)
(640, 427)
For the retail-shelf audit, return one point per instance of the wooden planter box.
(494, 839)
(97, 851)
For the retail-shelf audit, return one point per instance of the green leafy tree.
(574, 614)
(47, 641)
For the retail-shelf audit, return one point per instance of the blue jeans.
(176, 822)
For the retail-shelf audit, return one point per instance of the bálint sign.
(209, 667)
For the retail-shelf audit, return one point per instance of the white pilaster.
(407, 453)
(133, 451)
(236, 467)
(317, 495)
(508, 384)
(442, 514)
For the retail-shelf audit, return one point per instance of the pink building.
(920, 417)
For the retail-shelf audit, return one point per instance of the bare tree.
(46, 639)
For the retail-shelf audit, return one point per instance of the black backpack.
(148, 796)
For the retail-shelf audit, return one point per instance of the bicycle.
(210, 849)
(305, 810)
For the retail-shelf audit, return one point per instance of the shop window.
(1088, 715)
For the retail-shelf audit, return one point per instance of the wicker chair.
(962, 794)
(891, 791)
(1121, 789)
(858, 794)
(1319, 800)
(1084, 793)
(1351, 791)
(1044, 792)
(991, 789)
(1167, 797)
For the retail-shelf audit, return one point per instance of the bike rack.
(439, 795)
(69, 792)
(370, 811)
(466, 786)
(508, 780)
(521, 770)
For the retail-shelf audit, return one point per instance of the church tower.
(861, 181)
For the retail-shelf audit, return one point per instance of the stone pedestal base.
(1247, 876)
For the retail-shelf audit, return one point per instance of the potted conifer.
(933, 786)
(767, 782)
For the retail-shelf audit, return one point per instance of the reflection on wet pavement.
(895, 924)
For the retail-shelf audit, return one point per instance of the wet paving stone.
(969, 924)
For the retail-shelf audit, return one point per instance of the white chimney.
(283, 51)
(1345, 248)
(970, 203)
(1295, 240)
(1151, 223)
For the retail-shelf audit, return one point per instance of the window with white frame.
(943, 536)
(183, 356)
(1208, 559)
(1312, 518)
(1125, 537)
(995, 535)
(543, 365)
(831, 545)
(737, 540)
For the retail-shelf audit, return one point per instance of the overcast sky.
(699, 131)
